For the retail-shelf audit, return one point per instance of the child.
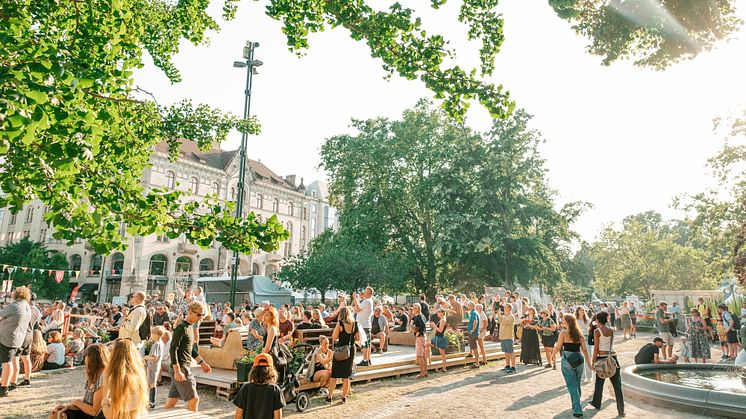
(260, 394)
(74, 349)
(153, 361)
(685, 350)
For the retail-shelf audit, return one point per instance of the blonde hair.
(126, 381)
(197, 307)
(272, 313)
(345, 315)
(158, 331)
(22, 293)
(38, 345)
(59, 317)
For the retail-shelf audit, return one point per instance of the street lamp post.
(250, 64)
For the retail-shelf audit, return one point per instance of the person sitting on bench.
(402, 320)
(378, 329)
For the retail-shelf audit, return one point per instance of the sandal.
(344, 400)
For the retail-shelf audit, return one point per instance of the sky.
(623, 138)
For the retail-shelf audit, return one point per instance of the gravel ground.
(487, 392)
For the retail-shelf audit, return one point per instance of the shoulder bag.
(342, 353)
(606, 368)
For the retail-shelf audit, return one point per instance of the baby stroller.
(292, 363)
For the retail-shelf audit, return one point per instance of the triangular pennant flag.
(34, 270)
(59, 276)
(49, 272)
(77, 274)
(11, 269)
(4, 266)
(24, 269)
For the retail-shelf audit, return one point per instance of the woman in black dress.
(345, 333)
(530, 352)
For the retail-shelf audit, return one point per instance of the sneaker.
(151, 406)
(3, 391)
(548, 366)
(474, 366)
(363, 363)
(512, 370)
(11, 387)
(506, 369)
(24, 383)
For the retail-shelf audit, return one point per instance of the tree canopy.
(76, 131)
(463, 208)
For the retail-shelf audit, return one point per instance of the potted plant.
(243, 366)
(456, 342)
(103, 335)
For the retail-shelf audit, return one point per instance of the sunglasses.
(199, 314)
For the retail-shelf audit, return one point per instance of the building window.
(162, 238)
(158, 265)
(27, 234)
(313, 209)
(117, 264)
(302, 237)
(255, 269)
(194, 185)
(171, 180)
(10, 237)
(13, 217)
(275, 205)
(122, 229)
(305, 213)
(289, 243)
(205, 267)
(326, 217)
(96, 262)
(259, 201)
(313, 228)
(183, 264)
(291, 209)
(43, 235)
(29, 214)
(75, 262)
(233, 194)
(216, 189)
(313, 194)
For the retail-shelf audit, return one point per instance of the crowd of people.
(123, 349)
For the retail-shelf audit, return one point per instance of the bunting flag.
(59, 276)
(49, 272)
(74, 293)
(11, 269)
(24, 269)
(4, 266)
(77, 274)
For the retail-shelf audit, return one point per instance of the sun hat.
(263, 360)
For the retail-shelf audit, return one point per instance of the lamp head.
(239, 64)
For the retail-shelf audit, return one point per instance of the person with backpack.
(731, 324)
(136, 327)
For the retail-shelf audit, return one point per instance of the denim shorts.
(440, 342)
(507, 346)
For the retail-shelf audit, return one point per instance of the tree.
(386, 179)
(506, 223)
(26, 253)
(76, 132)
(654, 33)
(337, 261)
(716, 218)
(637, 259)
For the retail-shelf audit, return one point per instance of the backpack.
(147, 324)
(736, 322)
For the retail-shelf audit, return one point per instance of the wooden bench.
(231, 350)
(311, 336)
(206, 331)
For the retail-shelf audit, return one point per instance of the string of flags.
(58, 274)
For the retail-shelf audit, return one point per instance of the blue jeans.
(572, 376)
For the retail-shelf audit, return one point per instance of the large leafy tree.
(717, 217)
(640, 257)
(26, 253)
(76, 132)
(386, 180)
(507, 223)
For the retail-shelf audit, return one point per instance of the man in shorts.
(664, 329)
(472, 331)
(14, 325)
(419, 327)
(364, 310)
(183, 349)
(731, 334)
(506, 335)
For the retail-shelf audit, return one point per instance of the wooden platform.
(398, 361)
(176, 412)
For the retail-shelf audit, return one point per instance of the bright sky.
(625, 139)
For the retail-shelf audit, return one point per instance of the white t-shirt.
(365, 313)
